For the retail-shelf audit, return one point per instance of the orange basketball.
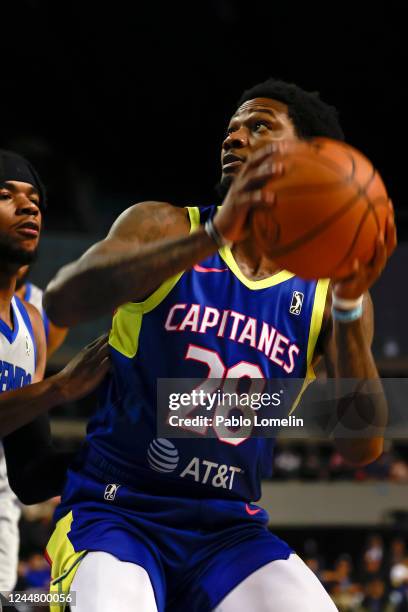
(330, 206)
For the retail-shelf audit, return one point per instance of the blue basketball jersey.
(207, 322)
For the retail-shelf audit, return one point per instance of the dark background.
(127, 102)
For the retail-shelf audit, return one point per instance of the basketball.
(330, 206)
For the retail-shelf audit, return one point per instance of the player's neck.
(7, 287)
(251, 262)
(21, 291)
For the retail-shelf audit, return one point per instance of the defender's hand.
(365, 275)
(85, 371)
(246, 193)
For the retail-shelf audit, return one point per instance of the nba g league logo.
(296, 303)
(110, 491)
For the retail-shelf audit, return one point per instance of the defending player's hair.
(310, 114)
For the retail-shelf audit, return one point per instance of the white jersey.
(17, 369)
(17, 364)
(34, 295)
(17, 349)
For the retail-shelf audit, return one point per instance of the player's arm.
(79, 377)
(348, 355)
(36, 469)
(149, 243)
(56, 336)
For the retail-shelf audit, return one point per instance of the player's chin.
(230, 171)
(26, 252)
(225, 183)
(28, 245)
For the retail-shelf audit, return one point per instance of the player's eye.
(5, 195)
(260, 125)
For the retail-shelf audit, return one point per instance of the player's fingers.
(105, 366)
(259, 156)
(268, 171)
(390, 235)
(351, 276)
(98, 341)
(101, 352)
(258, 197)
(379, 258)
(283, 147)
(273, 150)
(270, 168)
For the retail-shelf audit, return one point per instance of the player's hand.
(85, 371)
(365, 275)
(246, 192)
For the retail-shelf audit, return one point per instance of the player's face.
(20, 221)
(256, 123)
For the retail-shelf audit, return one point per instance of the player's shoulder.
(33, 314)
(151, 220)
(36, 290)
(34, 295)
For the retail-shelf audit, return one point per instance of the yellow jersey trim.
(127, 321)
(65, 560)
(316, 321)
(280, 277)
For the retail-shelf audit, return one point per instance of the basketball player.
(29, 292)
(22, 357)
(159, 524)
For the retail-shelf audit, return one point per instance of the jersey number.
(231, 378)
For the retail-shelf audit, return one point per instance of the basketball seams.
(335, 165)
(363, 219)
(370, 209)
(321, 160)
(352, 193)
(315, 231)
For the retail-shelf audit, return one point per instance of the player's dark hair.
(310, 115)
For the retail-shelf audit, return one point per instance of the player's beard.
(223, 185)
(12, 254)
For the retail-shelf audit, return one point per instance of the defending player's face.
(256, 123)
(20, 221)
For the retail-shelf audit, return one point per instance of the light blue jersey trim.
(28, 324)
(10, 334)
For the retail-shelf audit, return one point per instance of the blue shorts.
(194, 550)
